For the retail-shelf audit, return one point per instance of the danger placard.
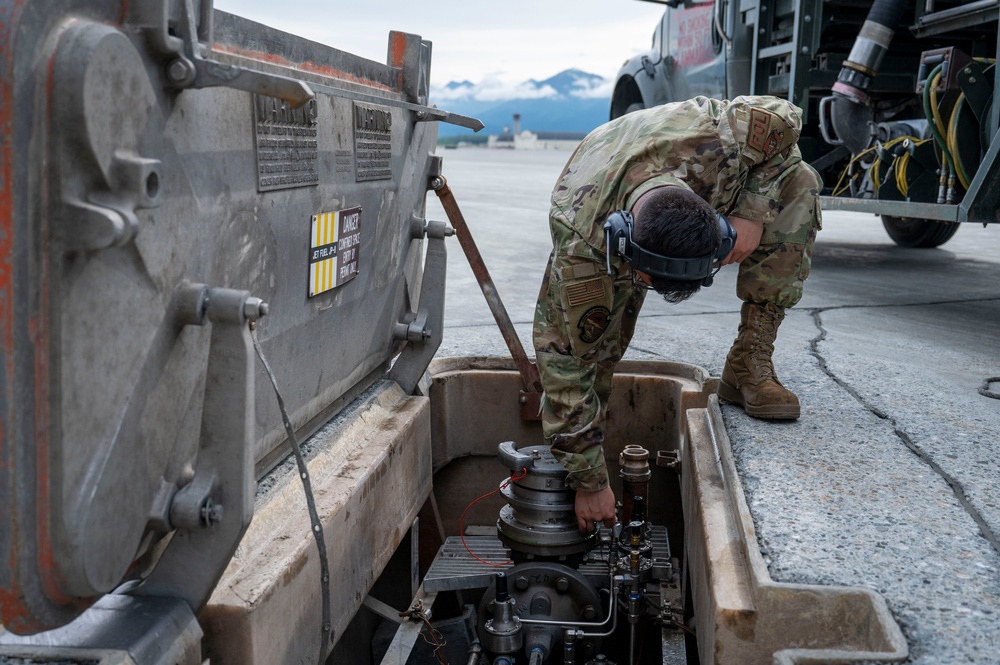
(334, 247)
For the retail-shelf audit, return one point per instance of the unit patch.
(593, 323)
(334, 244)
(758, 128)
(773, 143)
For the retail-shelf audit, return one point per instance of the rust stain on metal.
(38, 333)
(397, 48)
(307, 66)
(13, 612)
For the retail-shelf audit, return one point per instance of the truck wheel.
(909, 232)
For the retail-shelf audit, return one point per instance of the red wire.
(461, 520)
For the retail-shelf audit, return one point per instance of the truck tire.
(910, 232)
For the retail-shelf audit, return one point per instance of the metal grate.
(454, 568)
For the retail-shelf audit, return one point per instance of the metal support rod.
(631, 643)
(527, 369)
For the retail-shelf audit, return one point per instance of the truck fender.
(642, 82)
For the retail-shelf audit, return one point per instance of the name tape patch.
(758, 128)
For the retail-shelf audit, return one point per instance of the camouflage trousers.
(584, 321)
(777, 269)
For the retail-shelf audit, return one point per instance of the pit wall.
(743, 617)
(370, 475)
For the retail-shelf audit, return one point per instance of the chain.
(317, 526)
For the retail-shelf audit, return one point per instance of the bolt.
(972, 79)
(211, 512)
(254, 308)
(807, 18)
(521, 583)
(562, 585)
(437, 182)
(589, 613)
(179, 71)
(805, 49)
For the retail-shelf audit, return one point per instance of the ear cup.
(618, 242)
(728, 233)
(618, 233)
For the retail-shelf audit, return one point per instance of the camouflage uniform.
(741, 158)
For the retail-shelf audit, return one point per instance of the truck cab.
(898, 101)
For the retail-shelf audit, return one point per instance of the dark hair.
(674, 221)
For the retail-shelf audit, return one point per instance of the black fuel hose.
(866, 55)
(850, 113)
(888, 13)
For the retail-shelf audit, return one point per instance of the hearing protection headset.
(618, 236)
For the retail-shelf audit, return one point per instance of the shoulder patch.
(593, 323)
(758, 129)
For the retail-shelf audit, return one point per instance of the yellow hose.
(836, 188)
(952, 141)
(938, 121)
(873, 172)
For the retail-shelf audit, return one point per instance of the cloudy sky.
(506, 41)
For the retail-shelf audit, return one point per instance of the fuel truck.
(898, 97)
(224, 434)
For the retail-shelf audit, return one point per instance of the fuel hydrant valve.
(503, 631)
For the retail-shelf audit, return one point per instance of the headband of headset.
(618, 237)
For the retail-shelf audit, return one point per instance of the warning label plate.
(334, 246)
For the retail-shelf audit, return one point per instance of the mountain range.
(570, 101)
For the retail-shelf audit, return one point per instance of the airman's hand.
(748, 234)
(594, 507)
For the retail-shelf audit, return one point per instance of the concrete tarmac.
(890, 478)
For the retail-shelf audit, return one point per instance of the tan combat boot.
(748, 378)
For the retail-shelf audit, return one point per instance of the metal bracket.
(409, 629)
(425, 332)
(189, 69)
(670, 459)
(207, 536)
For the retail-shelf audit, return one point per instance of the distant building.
(504, 140)
(527, 140)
